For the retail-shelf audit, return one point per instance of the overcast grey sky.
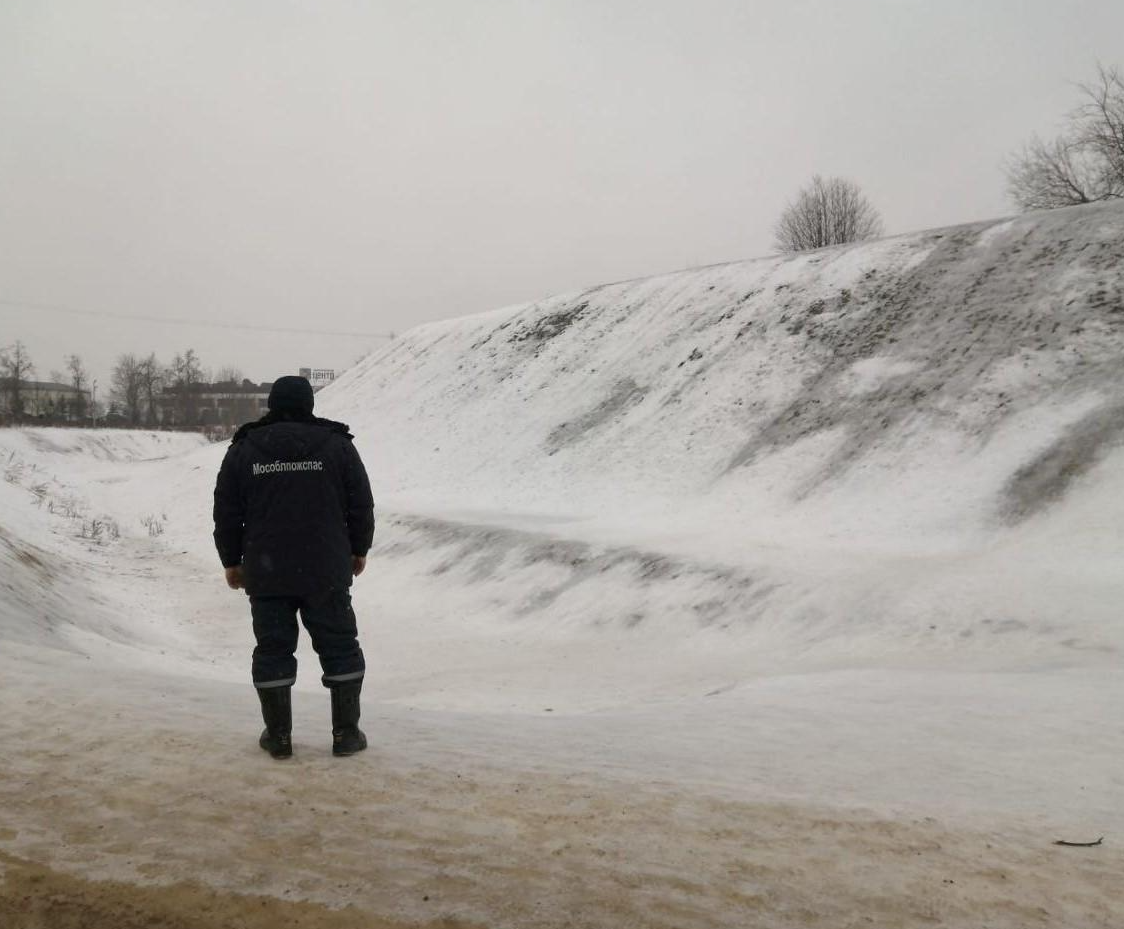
(366, 166)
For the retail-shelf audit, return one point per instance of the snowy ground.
(823, 631)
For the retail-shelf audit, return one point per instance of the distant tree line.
(143, 390)
(66, 397)
(146, 392)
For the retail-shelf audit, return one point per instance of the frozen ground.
(779, 594)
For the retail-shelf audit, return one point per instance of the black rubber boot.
(347, 737)
(277, 711)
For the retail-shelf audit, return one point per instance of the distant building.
(217, 409)
(46, 400)
(318, 377)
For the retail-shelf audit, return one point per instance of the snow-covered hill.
(949, 380)
(907, 451)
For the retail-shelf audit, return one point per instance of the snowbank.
(57, 540)
(106, 445)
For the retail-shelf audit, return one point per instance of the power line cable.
(181, 321)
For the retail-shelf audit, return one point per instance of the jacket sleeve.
(229, 513)
(360, 503)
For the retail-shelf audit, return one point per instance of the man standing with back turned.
(294, 520)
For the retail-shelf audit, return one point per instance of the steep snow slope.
(949, 380)
(898, 453)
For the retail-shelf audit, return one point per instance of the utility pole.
(94, 404)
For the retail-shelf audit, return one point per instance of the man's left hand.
(234, 577)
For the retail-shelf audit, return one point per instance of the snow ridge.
(978, 357)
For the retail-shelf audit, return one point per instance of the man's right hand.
(234, 577)
(358, 563)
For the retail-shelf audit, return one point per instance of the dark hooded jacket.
(292, 505)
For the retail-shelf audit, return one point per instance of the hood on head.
(291, 393)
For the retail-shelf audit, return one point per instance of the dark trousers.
(330, 622)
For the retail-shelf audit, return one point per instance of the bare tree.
(79, 377)
(1085, 163)
(16, 370)
(831, 211)
(183, 375)
(1045, 175)
(231, 400)
(150, 373)
(128, 387)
